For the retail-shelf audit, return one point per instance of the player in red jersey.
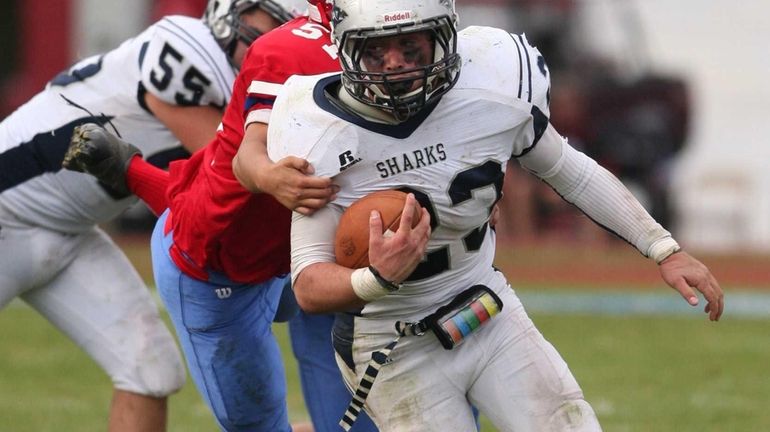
(221, 252)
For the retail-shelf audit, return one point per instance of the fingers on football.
(423, 227)
(375, 230)
(407, 214)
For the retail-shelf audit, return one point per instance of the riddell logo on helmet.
(397, 16)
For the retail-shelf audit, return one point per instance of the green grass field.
(641, 373)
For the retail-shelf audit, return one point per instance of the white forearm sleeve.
(598, 194)
(312, 238)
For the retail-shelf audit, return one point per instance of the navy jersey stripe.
(323, 98)
(141, 92)
(539, 125)
(142, 53)
(251, 101)
(465, 183)
(71, 75)
(529, 68)
(193, 43)
(43, 154)
(521, 65)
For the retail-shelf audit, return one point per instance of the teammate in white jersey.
(403, 116)
(166, 86)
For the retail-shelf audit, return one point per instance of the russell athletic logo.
(347, 160)
(394, 17)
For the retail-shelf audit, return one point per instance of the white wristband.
(662, 249)
(366, 286)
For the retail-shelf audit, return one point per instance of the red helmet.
(324, 11)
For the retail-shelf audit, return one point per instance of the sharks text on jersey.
(408, 161)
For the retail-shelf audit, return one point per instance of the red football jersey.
(219, 225)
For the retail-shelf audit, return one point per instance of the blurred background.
(671, 96)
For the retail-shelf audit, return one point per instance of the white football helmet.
(223, 17)
(354, 22)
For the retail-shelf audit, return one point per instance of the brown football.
(351, 242)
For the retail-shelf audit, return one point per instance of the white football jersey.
(451, 155)
(176, 59)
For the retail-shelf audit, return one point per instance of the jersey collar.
(323, 90)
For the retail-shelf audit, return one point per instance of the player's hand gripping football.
(395, 256)
(683, 273)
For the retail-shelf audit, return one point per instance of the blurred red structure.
(162, 8)
(41, 50)
(44, 43)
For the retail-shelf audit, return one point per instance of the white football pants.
(86, 287)
(506, 369)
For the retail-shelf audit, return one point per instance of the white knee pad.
(99, 301)
(156, 369)
(575, 415)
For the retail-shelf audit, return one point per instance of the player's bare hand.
(292, 183)
(686, 274)
(396, 255)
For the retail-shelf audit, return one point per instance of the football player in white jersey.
(165, 87)
(425, 109)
